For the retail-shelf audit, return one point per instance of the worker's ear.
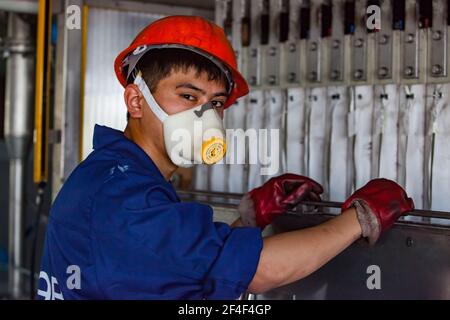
(134, 100)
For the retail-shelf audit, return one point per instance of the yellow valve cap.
(213, 150)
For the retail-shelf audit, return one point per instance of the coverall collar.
(116, 140)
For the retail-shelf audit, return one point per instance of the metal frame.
(412, 261)
(412, 257)
(290, 50)
(438, 55)
(30, 7)
(230, 200)
(271, 52)
(154, 8)
(313, 48)
(336, 47)
(20, 65)
(412, 48)
(255, 53)
(361, 50)
(368, 55)
(384, 71)
(67, 111)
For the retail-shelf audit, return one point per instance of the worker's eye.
(189, 97)
(217, 104)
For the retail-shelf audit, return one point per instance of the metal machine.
(361, 86)
(19, 52)
(364, 93)
(344, 91)
(411, 261)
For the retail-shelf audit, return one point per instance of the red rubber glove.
(378, 205)
(261, 205)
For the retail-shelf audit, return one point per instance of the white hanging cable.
(275, 126)
(308, 100)
(318, 136)
(351, 175)
(380, 97)
(415, 145)
(256, 102)
(363, 137)
(339, 144)
(406, 97)
(236, 148)
(295, 131)
(283, 132)
(440, 164)
(388, 122)
(433, 103)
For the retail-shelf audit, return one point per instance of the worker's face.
(183, 90)
(178, 92)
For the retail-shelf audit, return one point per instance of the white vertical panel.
(275, 109)
(404, 104)
(255, 120)
(432, 101)
(236, 174)
(415, 145)
(317, 144)
(340, 165)
(109, 32)
(363, 134)
(389, 133)
(441, 161)
(295, 131)
(377, 128)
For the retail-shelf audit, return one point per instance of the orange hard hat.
(187, 32)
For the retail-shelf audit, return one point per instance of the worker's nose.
(203, 100)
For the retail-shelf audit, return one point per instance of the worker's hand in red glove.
(378, 205)
(261, 205)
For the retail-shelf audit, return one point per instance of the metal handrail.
(324, 204)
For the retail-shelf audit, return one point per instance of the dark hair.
(159, 63)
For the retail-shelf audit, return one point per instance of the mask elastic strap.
(154, 106)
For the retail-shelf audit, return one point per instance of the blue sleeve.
(147, 245)
(235, 264)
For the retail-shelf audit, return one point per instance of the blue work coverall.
(117, 230)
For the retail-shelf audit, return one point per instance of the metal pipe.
(21, 6)
(327, 204)
(415, 212)
(16, 223)
(210, 193)
(18, 132)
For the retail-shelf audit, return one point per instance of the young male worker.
(117, 229)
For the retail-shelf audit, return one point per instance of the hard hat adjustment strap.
(154, 106)
(133, 58)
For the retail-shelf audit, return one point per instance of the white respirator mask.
(191, 137)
